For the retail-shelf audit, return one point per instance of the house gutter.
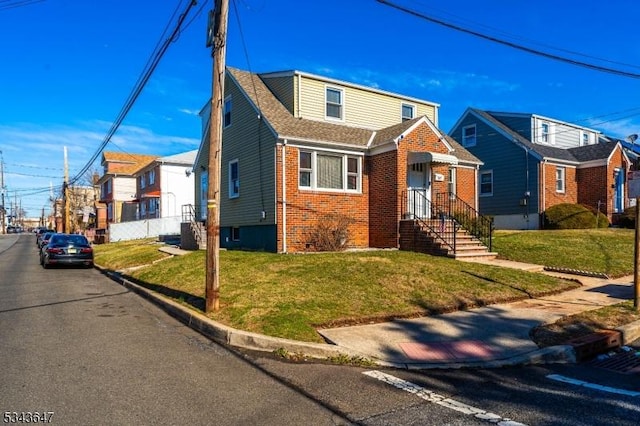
(284, 196)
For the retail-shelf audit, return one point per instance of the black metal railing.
(466, 216)
(416, 206)
(190, 215)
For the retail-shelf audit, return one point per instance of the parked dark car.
(44, 239)
(67, 249)
(40, 233)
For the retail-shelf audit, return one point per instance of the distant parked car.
(67, 249)
(44, 239)
(40, 233)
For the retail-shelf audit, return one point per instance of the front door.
(419, 190)
(618, 191)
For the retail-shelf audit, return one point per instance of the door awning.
(431, 157)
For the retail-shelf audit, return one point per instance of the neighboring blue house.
(532, 162)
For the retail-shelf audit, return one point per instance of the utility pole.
(67, 226)
(636, 259)
(217, 40)
(3, 212)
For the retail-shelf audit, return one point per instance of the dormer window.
(544, 133)
(408, 112)
(334, 103)
(469, 136)
(585, 138)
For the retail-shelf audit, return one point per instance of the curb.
(229, 336)
(576, 272)
(226, 335)
(630, 332)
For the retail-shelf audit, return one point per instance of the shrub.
(628, 218)
(331, 233)
(572, 216)
(603, 220)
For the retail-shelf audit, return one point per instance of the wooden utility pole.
(2, 209)
(636, 260)
(67, 224)
(218, 30)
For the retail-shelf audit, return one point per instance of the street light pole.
(217, 29)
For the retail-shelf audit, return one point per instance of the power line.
(511, 44)
(15, 4)
(151, 65)
(519, 37)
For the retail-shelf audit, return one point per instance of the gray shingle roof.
(285, 125)
(599, 151)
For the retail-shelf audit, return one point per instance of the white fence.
(144, 228)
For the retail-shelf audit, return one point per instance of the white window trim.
(563, 179)
(485, 194)
(342, 106)
(345, 174)
(229, 101)
(233, 194)
(413, 111)
(453, 180)
(475, 136)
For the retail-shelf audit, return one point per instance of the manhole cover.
(625, 360)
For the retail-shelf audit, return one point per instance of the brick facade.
(596, 187)
(384, 199)
(549, 193)
(591, 186)
(375, 213)
(305, 207)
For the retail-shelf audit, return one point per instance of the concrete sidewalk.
(492, 336)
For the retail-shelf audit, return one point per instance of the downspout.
(284, 196)
(543, 164)
(475, 185)
(527, 192)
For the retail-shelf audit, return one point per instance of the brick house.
(299, 147)
(118, 184)
(532, 162)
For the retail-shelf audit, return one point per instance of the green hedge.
(573, 216)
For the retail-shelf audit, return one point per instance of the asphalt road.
(75, 344)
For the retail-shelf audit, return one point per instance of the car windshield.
(75, 240)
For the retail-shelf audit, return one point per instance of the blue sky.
(67, 67)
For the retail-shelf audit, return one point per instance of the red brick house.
(532, 162)
(298, 148)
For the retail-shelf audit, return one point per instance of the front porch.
(447, 226)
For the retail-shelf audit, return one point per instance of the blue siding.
(508, 162)
(259, 237)
(519, 124)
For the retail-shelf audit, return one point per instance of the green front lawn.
(608, 251)
(290, 295)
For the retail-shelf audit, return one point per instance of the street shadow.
(618, 291)
(194, 301)
(491, 280)
(63, 302)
